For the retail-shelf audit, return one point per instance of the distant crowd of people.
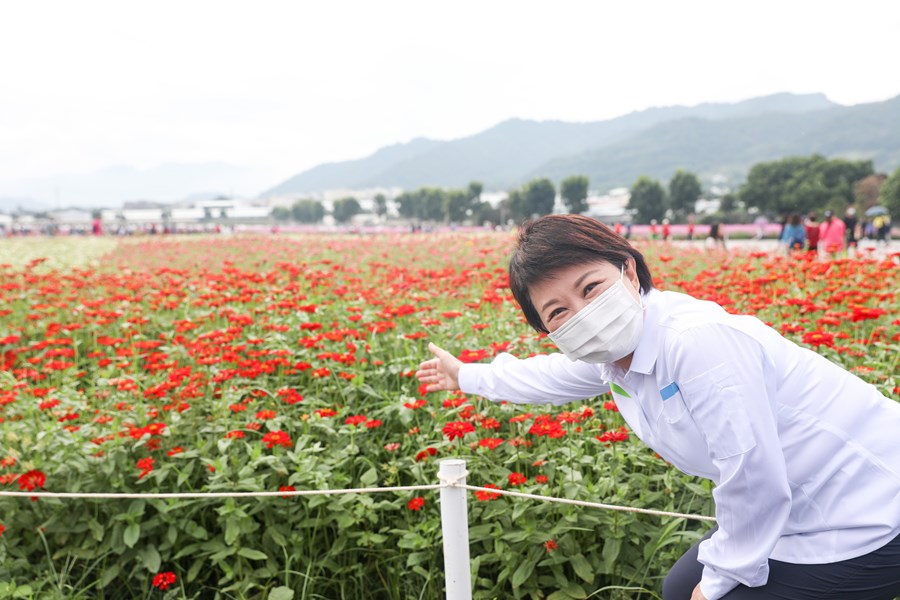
(833, 235)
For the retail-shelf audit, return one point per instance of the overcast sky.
(283, 86)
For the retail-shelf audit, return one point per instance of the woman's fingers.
(439, 373)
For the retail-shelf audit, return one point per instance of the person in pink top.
(831, 235)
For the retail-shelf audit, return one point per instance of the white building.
(609, 207)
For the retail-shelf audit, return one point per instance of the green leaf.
(232, 530)
(132, 534)
(151, 558)
(252, 554)
(281, 593)
(611, 552)
(523, 572)
(109, 573)
(24, 591)
(582, 568)
(96, 529)
(369, 477)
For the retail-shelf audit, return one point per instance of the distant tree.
(307, 211)
(890, 195)
(475, 189)
(483, 212)
(684, 191)
(281, 213)
(867, 190)
(456, 204)
(426, 204)
(540, 195)
(802, 184)
(380, 205)
(648, 198)
(514, 206)
(345, 209)
(574, 192)
(728, 203)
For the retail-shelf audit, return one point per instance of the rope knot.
(452, 481)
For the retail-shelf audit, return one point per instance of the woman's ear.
(632, 274)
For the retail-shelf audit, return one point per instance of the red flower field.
(280, 363)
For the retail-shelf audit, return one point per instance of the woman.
(804, 454)
(794, 234)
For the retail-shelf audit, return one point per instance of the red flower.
(164, 580)
(490, 442)
(620, 435)
(416, 503)
(175, 450)
(517, 478)
(233, 435)
(286, 488)
(550, 546)
(490, 423)
(277, 438)
(373, 423)
(326, 412)
(414, 405)
(457, 429)
(32, 479)
(540, 479)
(2, 529)
(424, 454)
(146, 466)
(265, 414)
(818, 338)
(486, 496)
(355, 420)
(470, 356)
(544, 425)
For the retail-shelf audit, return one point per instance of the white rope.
(646, 511)
(445, 482)
(163, 495)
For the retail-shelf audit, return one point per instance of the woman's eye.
(555, 313)
(589, 288)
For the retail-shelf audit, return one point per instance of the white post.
(455, 527)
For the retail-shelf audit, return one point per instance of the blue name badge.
(669, 391)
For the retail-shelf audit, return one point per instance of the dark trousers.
(874, 576)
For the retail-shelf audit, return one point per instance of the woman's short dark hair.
(549, 244)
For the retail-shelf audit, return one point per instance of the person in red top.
(812, 233)
(666, 231)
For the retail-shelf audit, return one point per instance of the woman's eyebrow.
(575, 285)
(584, 276)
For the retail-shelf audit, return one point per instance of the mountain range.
(720, 141)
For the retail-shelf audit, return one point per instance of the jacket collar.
(644, 358)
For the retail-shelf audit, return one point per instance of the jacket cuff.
(469, 377)
(714, 586)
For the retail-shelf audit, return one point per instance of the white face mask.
(605, 330)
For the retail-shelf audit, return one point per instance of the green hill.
(710, 139)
